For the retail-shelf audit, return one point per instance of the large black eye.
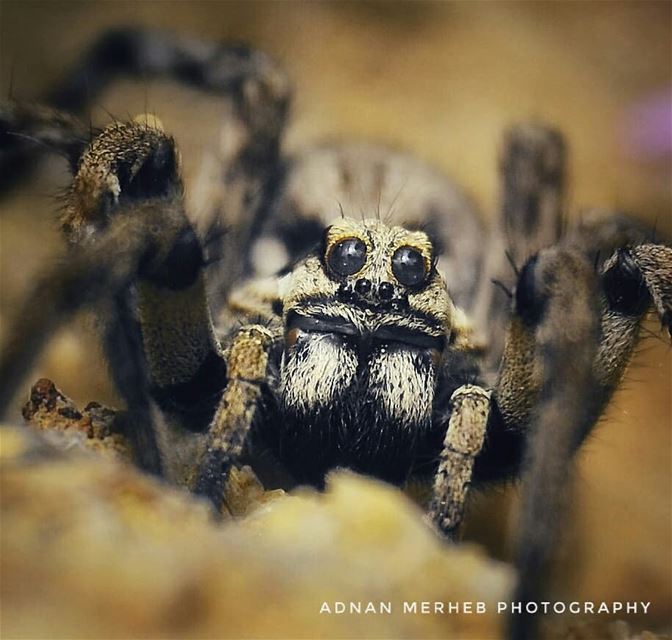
(347, 257)
(408, 266)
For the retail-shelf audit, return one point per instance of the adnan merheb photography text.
(413, 607)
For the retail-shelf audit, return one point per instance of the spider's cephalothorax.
(366, 320)
(355, 354)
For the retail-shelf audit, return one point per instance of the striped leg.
(259, 89)
(236, 181)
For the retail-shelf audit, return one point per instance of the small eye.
(408, 266)
(347, 257)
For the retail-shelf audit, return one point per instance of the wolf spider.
(351, 352)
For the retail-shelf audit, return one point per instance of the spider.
(321, 330)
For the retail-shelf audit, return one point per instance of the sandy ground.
(441, 80)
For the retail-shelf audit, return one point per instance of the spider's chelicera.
(376, 342)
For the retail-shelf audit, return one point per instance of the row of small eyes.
(348, 256)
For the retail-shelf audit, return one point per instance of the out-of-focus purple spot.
(647, 127)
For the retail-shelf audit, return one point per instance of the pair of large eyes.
(348, 256)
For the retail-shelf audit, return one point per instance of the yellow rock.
(93, 548)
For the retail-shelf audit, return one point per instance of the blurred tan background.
(441, 80)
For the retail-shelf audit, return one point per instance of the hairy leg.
(259, 90)
(237, 180)
(464, 438)
(159, 330)
(132, 246)
(247, 360)
(102, 270)
(570, 339)
(532, 176)
(563, 410)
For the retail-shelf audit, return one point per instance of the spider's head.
(373, 283)
(367, 321)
